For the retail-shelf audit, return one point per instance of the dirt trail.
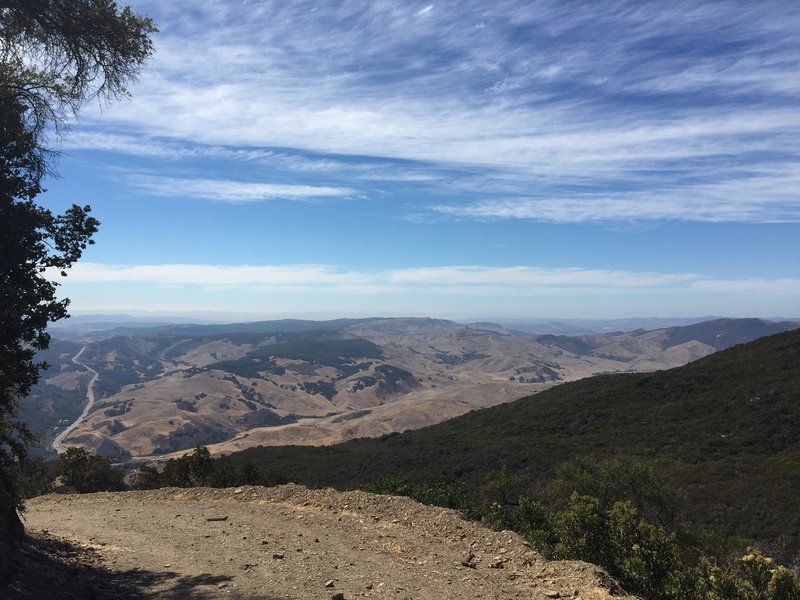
(292, 542)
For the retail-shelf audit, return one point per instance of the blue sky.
(448, 159)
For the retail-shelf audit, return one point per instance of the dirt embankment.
(283, 542)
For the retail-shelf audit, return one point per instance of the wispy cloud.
(763, 287)
(613, 95)
(693, 203)
(450, 280)
(231, 191)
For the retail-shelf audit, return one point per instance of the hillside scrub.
(615, 513)
(609, 529)
(724, 429)
(199, 469)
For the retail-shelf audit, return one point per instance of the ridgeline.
(725, 429)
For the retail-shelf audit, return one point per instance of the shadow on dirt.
(57, 569)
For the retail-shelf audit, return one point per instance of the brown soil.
(283, 542)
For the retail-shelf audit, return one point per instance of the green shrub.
(146, 477)
(755, 577)
(83, 472)
(200, 469)
(34, 477)
(604, 520)
(447, 493)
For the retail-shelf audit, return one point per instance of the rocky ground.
(286, 542)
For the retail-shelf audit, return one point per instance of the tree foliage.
(200, 469)
(83, 472)
(597, 511)
(55, 55)
(33, 244)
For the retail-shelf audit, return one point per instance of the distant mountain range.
(166, 388)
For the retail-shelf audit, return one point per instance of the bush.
(83, 472)
(604, 520)
(446, 493)
(34, 477)
(146, 477)
(200, 469)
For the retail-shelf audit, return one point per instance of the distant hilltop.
(166, 388)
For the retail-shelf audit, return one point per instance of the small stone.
(329, 583)
(338, 596)
(552, 594)
(279, 556)
(468, 560)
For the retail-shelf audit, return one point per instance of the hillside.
(275, 543)
(725, 428)
(171, 388)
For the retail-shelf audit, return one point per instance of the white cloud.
(231, 191)
(763, 287)
(608, 93)
(687, 204)
(532, 277)
(465, 280)
(324, 291)
(212, 275)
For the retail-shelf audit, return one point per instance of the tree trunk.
(11, 531)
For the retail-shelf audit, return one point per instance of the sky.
(463, 160)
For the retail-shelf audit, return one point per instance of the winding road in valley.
(58, 443)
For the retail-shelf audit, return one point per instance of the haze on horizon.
(447, 159)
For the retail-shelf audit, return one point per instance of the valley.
(157, 392)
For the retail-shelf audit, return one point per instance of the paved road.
(58, 443)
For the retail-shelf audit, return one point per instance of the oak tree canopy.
(55, 55)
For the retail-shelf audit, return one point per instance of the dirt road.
(289, 542)
(58, 443)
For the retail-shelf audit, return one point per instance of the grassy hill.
(725, 428)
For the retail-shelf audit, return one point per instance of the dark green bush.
(608, 527)
(83, 472)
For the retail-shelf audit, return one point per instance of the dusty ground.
(283, 542)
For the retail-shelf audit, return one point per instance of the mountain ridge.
(725, 428)
(324, 382)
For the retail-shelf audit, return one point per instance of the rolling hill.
(171, 388)
(725, 428)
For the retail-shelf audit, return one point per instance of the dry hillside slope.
(159, 394)
(292, 542)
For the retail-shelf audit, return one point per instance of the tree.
(83, 472)
(146, 477)
(55, 55)
(32, 241)
(190, 470)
